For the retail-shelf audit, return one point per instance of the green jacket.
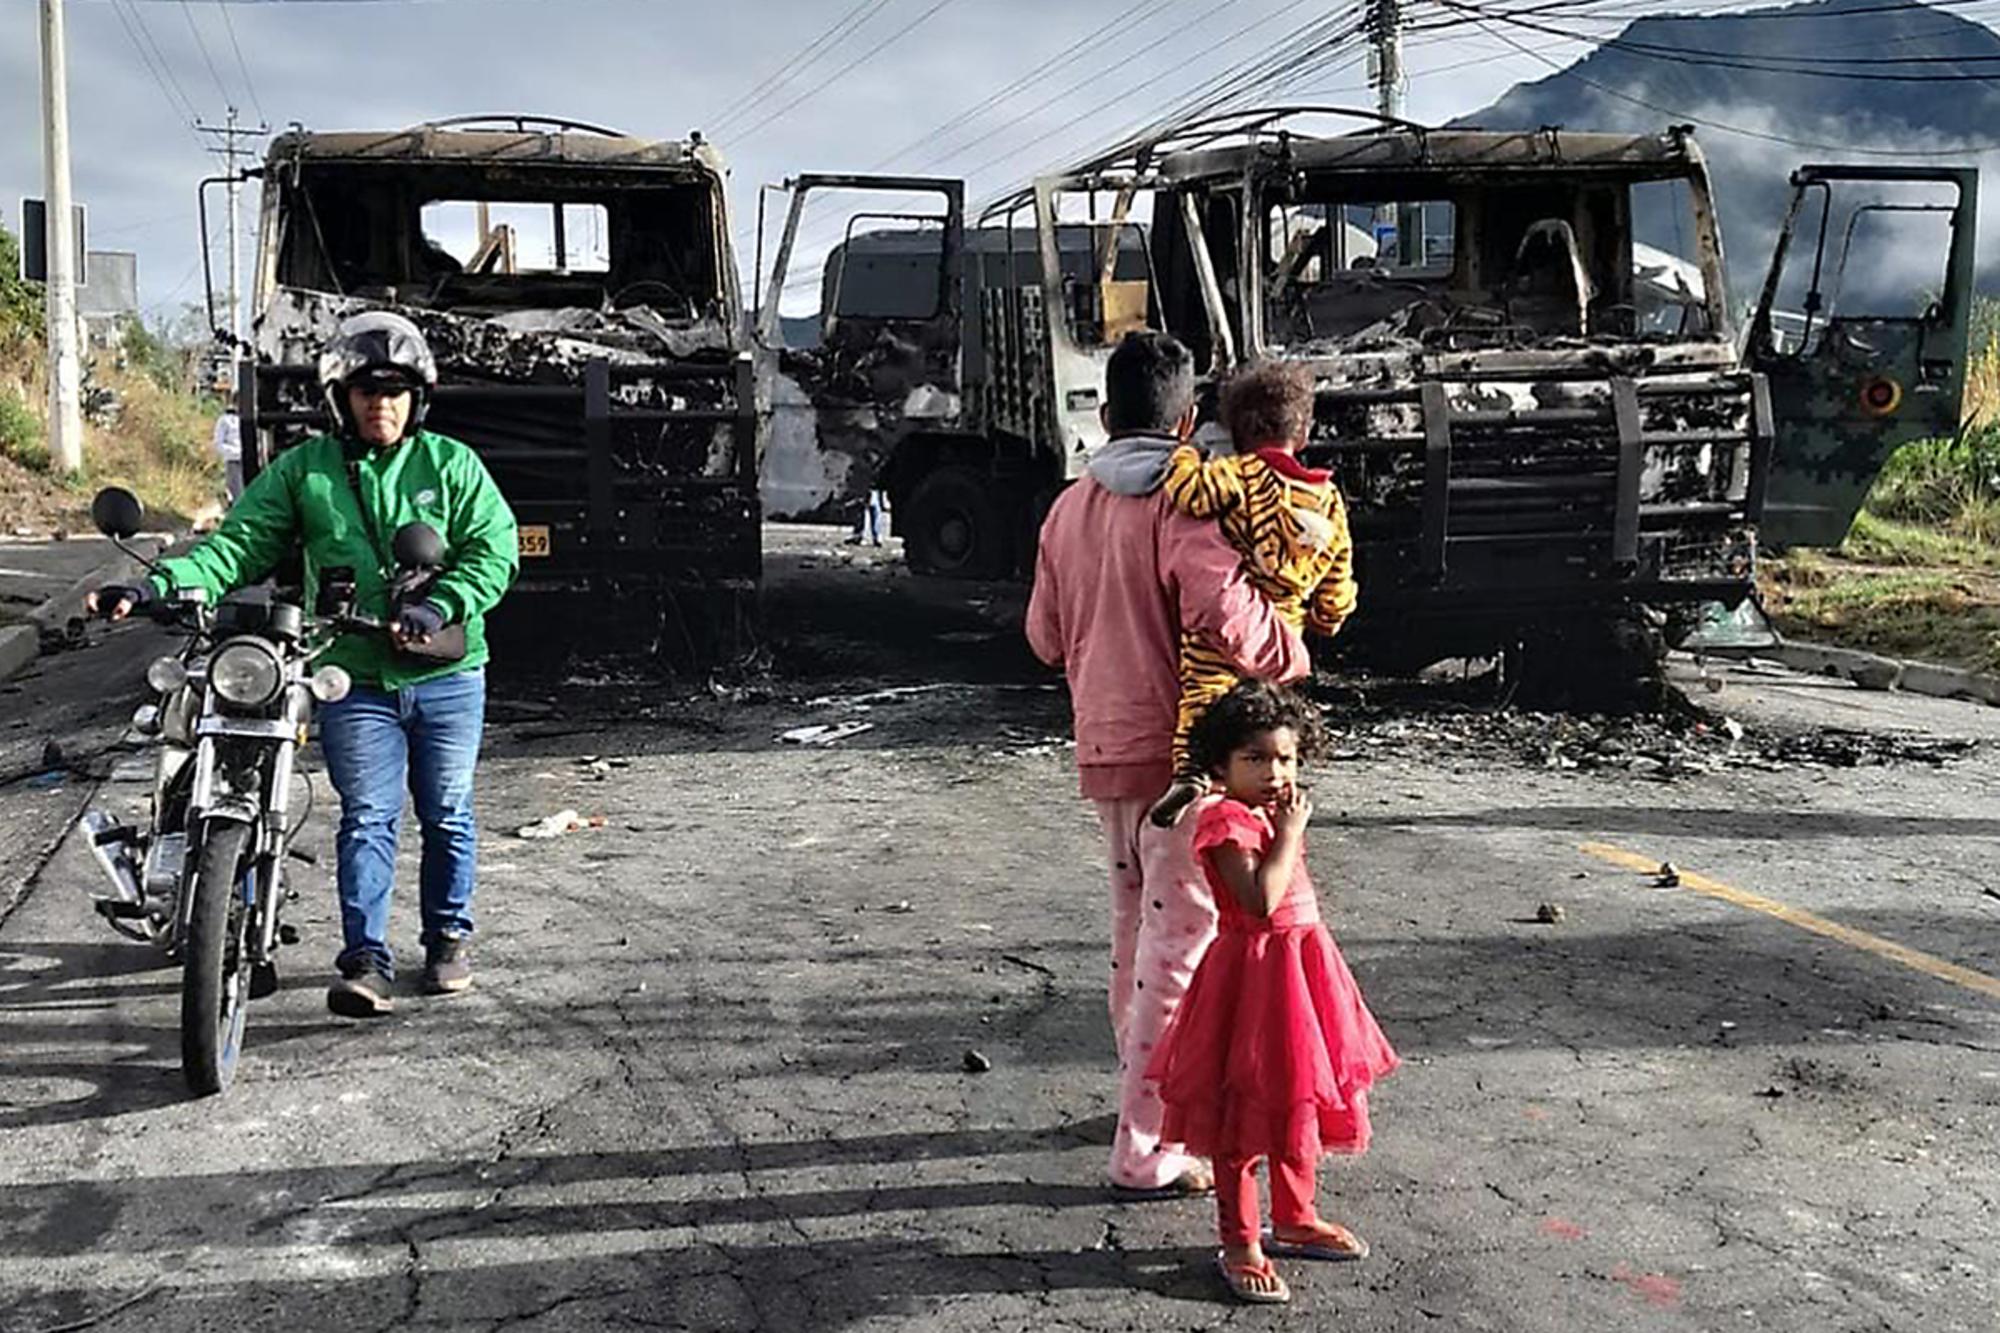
(305, 496)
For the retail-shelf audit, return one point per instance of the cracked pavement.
(712, 1074)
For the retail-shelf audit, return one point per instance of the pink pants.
(1162, 919)
(1292, 1186)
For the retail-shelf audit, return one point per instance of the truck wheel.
(956, 526)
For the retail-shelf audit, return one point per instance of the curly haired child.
(1286, 519)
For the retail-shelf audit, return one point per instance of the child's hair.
(1253, 706)
(1270, 402)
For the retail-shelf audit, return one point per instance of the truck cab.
(579, 291)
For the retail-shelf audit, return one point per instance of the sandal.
(1334, 1243)
(1192, 1183)
(1269, 1288)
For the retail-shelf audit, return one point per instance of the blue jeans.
(426, 737)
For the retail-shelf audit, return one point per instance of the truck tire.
(956, 525)
(215, 977)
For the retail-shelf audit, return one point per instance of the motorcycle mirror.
(117, 512)
(418, 546)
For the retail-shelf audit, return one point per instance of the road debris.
(1550, 914)
(1667, 739)
(558, 824)
(826, 733)
(1667, 877)
(976, 1062)
(901, 907)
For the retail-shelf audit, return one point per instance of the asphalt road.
(712, 1074)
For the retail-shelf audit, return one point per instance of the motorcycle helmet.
(377, 348)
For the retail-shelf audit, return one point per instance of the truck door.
(860, 324)
(1861, 332)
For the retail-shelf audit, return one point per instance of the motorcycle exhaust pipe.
(111, 843)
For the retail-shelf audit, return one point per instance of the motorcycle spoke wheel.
(215, 964)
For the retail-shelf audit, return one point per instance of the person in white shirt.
(227, 441)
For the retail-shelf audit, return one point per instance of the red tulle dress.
(1272, 1051)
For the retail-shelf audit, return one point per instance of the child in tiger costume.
(1287, 520)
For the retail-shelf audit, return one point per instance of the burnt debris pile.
(1663, 739)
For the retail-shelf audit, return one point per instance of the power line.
(849, 67)
(229, 26)
(801, 60)
(1725, 126)
(145, 35)
(187, 12)
(1067, 56)
(1729, 60)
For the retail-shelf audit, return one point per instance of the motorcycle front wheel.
(215, 977)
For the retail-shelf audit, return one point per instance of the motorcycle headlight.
(166, 674)
(245, 674)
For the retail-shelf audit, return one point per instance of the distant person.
(871, 520)
(1120, 577)
(227, 441)
(1272, 1051)
(413, 721)
(1285, 520)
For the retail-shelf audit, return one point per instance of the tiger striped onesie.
(1288, 521)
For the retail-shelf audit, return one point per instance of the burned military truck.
(578, 289)
(1529, 383)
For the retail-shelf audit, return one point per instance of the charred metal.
(588, 334)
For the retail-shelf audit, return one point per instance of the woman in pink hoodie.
(1119, 577)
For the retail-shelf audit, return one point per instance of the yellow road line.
(1915, 959)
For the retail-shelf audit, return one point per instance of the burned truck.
(1530, 385)
(578, 289)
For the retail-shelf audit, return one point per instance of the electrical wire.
(799, 61)
(187, 12)
(1069, 55)
(142, 37)
(1727, 60)
(242, 65)
(848, 68)
(1727, 128)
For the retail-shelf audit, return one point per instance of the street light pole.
(65, 364)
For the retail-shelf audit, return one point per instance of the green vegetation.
(154, 440)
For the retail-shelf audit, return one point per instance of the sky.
(141, 70)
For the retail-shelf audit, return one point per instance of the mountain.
(1756, 122)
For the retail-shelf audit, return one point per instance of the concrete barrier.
(1867, 670)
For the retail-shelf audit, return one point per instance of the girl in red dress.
(1271, 1052)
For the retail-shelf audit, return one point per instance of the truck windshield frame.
(357, 229)
(1541, 256)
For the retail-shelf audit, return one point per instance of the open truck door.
(1861, 333)
(860, 325)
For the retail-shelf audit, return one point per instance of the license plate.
(534, 541)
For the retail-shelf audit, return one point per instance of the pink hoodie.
(1117, 579)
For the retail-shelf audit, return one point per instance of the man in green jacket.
(411, 721)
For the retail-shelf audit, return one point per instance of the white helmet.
(377, 347)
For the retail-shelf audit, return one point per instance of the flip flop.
(1327, 1247)
(1192, 1183)
(1237, 1278)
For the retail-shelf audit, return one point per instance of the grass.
(1933, 615)
(157, 445)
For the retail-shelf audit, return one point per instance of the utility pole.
(229, 134)
(1385, 69)
(65, 365)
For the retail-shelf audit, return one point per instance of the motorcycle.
(204, 880)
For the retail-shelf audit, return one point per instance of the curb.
(21, 644)
(1871, 671)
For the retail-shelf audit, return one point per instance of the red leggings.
(1292, 1185)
